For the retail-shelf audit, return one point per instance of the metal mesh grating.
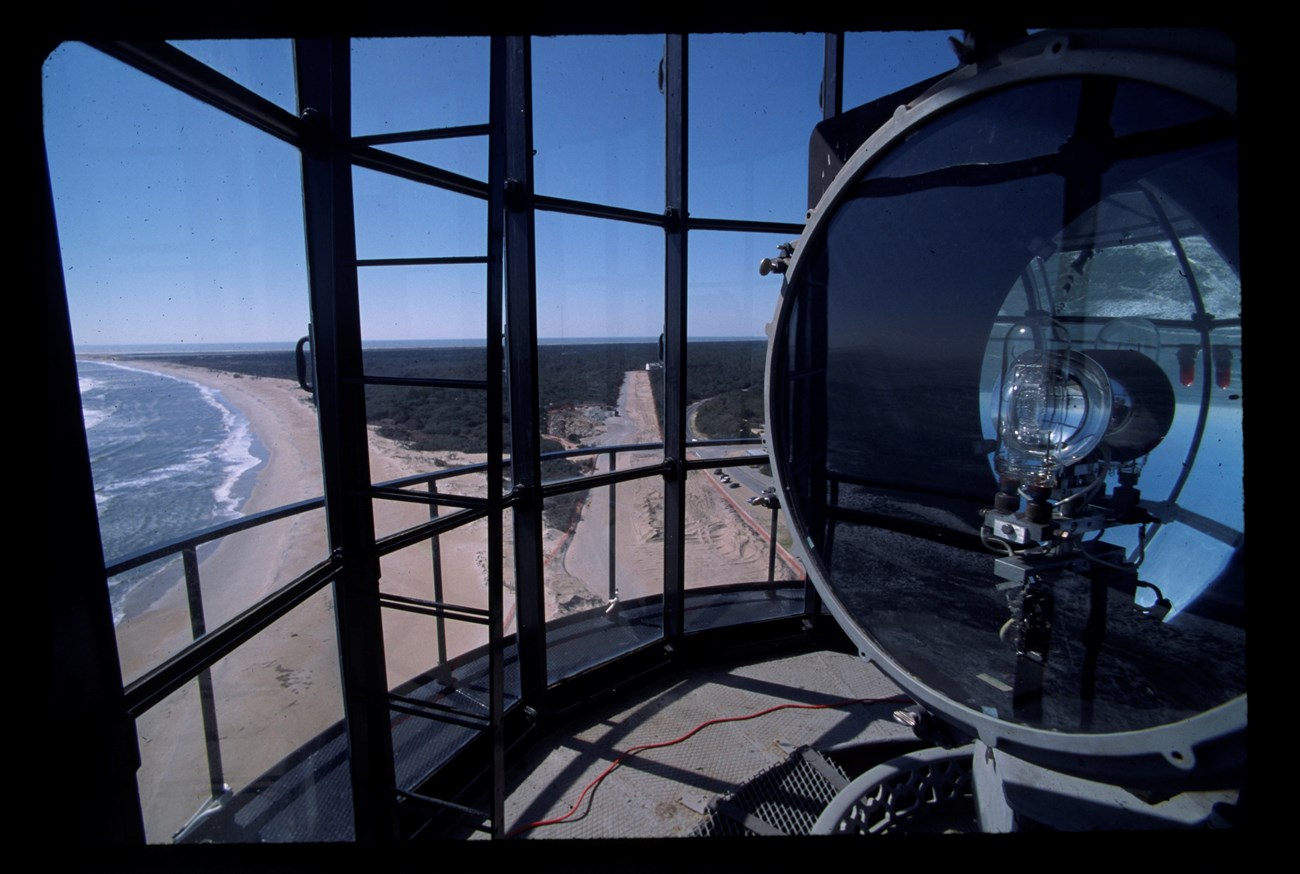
(930, 790)
(787, 797)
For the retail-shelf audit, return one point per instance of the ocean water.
(169, 457)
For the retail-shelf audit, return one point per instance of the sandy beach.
(282, 688)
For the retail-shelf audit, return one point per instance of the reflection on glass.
(182, 243)
(898, 330)
(277, 711)
(604, 572)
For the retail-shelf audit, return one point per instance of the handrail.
(167, 548)
(194, 661)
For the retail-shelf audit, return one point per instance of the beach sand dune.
(280, 689)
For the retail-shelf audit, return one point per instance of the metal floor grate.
(785, 799)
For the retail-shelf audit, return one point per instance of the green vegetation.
(729, 373)
(562, 511)
(728, 377)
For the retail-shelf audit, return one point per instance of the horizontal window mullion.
(207, 535)
(425, 530)
(745, 226)
(186, 73)
(421, 262)
(185, 665)
(419, 136)
(417, 171)
(566, 206)
(596, 480)
(424, 382)
(425, 607)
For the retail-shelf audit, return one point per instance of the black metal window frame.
(100, 705)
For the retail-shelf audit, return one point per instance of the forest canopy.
(726, 375)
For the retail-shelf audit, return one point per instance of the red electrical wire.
(632, 751)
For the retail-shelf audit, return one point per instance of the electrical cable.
(640, 748)
(990, 543)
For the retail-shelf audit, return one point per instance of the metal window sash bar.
(675, 308)
(417, 171)
(496, 462)
(419, 136)
(184, 666)
(431, 261)
(446, 499)
(458, 612)
(424, 382)
(216, 532)
(549, 203)
(610, 478)
(434, 527)
(785, 229)
(521, 325)
(182, 71)
(324, 93)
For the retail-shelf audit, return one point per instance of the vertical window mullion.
(521, 327)
(324, 95)
(675, 267)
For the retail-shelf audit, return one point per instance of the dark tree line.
(446, 419)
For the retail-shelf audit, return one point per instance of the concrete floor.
(664, 792)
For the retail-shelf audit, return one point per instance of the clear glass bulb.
(1053, 403)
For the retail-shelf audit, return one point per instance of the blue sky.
(180, 225)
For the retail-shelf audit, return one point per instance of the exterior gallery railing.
(193, 662)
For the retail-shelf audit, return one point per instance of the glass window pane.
(465, 156)
(181, 231)
(261, 65)
(421, 307)
(584, 627)
(417, 430)
(753, 102)
(397, 218)
(599, 314)
(878, 63)
(277, 711)
(599, 137)
(418, 83)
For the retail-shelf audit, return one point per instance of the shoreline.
(282, 687)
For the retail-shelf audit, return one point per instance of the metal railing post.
(771, 555)
(613, 530)
(436, 555)
(207, 703)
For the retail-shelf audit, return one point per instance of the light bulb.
(1053, 404)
